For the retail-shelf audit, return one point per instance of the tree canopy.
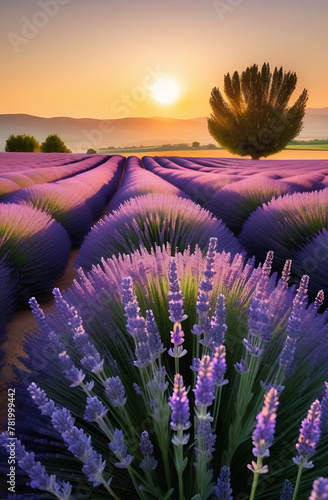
(255, 119)
(21, 144)
(54, 144)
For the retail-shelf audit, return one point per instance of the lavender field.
(188, 359)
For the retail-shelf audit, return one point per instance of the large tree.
(54, 144)
(21, 144)
(255, 119)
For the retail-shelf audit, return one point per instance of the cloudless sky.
(97, 58)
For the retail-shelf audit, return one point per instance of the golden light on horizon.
(166, 91)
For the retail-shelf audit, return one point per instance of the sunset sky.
(99, 58)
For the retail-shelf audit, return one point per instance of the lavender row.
(150, 220)
(75, 202)
(138, 181)
(19, 177)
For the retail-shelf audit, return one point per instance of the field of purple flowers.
(189, 358)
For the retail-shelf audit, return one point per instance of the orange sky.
(97, 58)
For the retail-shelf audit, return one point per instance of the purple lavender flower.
(177, 336)
(285, 275)
(71, 372)
(206, 285)
(266, 421)
(94, 467)
(324, 410)
(288, 353)
(146, 447)
(154, 339)
(62, 420)
(78, 442)
(241, 366)
(254, 351)
(143, 355)
(287, 491)
(259, 318)
(309, 436)
(179, 405)
(94, 410)
(223, 490)
(94, 364)
(195, 365)
(219, 365)
(135, 324)
(204, 390)
(320, 489)
(46, 405)
(268, 385)
(115, 391)
(176, 310)
(118, 447)
(35, 470)
(205, 440)
(218, 325)
(320, 297)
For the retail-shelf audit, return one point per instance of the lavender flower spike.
(135, 324)
(37, 472)
(118, 447)
(115, 391)
(179, 405)
(287, 491)
(266, 421)
(94, 410)
(219, 366)
(309, 436)
(204, 390)
(176, 310)
(223, 489)
(218, 325)
(320, 489)
(71, 372)
(147, 449)
(206, 284)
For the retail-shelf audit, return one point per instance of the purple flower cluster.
(92, 360)
(287, 491)
(115, 391)
(219, 366)
(176, 310)
(37, 472)
(223, 490)
(94, 409)
(205, 388)
(179, 405)
(218, 326)
(309, 436)
(320, 489)
(147, 338)
(146, 447)
(266, 422)
(119, 448)
(78, 442)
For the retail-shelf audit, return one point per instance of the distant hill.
(80, 134)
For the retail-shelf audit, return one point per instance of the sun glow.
(165, 91)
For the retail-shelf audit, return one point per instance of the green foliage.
(22, 144)
(195, 144)
(91, 151)
(255, 118)
(54, 144)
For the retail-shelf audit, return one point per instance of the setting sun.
(166, 91)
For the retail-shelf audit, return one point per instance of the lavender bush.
(165, 375)
(284, 224)
(63, 204)
(153, 220)
(38, 247)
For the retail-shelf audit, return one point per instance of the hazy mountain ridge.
(83, 133)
